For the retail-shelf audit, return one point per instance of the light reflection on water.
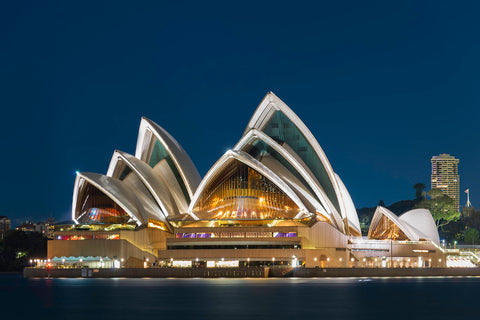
(251, 298)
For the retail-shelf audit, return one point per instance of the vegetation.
(441, 206)
(471, 236)
(419, 187)
(18, 247)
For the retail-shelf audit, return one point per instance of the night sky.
(382, 85)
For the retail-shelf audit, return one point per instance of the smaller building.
(5, 225)
(46, 228)
(26, 226)
(124, 245)
(410, 240)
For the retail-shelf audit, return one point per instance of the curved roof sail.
(279, 122)
(262, 147)
(164, 154)
(421, 221)
(351, 212)
(133, 171)
(93, 190)
(414, 225)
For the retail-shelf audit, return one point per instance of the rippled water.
(291, 298)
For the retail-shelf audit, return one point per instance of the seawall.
(252, 272)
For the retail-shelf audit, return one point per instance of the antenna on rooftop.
(469, 204)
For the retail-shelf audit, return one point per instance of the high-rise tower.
(445, 176)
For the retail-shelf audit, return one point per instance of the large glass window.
(386, 229)
(259, 149)
(125, 172)
(282, 130)
(241, 193)
(98, 208)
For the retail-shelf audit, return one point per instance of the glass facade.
(125, 172)
(259, 149)
(387, 230)
(241, 193)
(98, 208)
(260, 234)
(89, 237)
(282, 130)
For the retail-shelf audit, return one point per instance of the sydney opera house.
(274, 199)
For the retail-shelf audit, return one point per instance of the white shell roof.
(267, 108)
(112, 188)
(417, 224)
(154, 183)
(422, 222)
(162, 196)
(351, 212)
(190, 176)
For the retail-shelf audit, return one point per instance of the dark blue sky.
(382, 85)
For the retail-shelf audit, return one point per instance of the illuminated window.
(241, 193)
(285, 234)
(107, 237)
(386, 229)
(98, 208)
(185, 235)
(204, 235)
(258, 234)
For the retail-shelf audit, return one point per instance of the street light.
(248, 262)
(273, 260)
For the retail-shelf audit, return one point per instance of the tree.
(441, 206)
(471, 235)
(381, 203)
(419, 187)
(19, 247)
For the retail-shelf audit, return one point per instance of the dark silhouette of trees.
(18, 247)
(419, 187)
(471, 236)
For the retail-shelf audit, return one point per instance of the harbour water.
(271, 298)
